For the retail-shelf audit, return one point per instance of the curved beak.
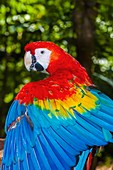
(36, 65)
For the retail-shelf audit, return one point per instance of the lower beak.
(39, 67)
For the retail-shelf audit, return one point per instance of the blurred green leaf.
(24, 21)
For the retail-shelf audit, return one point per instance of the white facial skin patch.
(42, 56)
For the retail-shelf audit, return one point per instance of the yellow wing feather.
(81, 101)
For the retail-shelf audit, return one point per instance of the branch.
(1, 148)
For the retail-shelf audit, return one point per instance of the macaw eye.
(42, 52)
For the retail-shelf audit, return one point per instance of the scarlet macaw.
(54, 123)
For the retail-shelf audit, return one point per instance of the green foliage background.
(23, 21)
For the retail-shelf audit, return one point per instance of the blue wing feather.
(82, 159)
(16, 166)
(54, 161)
(63, 142)
(41, 155)
(25, 162)
(88, 132)
(57, 148)
(74, 142)
(11, 114)
(55, 143)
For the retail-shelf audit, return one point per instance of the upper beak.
(31, 63)
(35, 65)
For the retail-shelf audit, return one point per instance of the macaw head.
(50, 58)
(46, 56)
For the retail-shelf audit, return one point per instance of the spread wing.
(51, 133)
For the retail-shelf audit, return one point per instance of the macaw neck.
(79, 79)
(70, 69)
(66, 66)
